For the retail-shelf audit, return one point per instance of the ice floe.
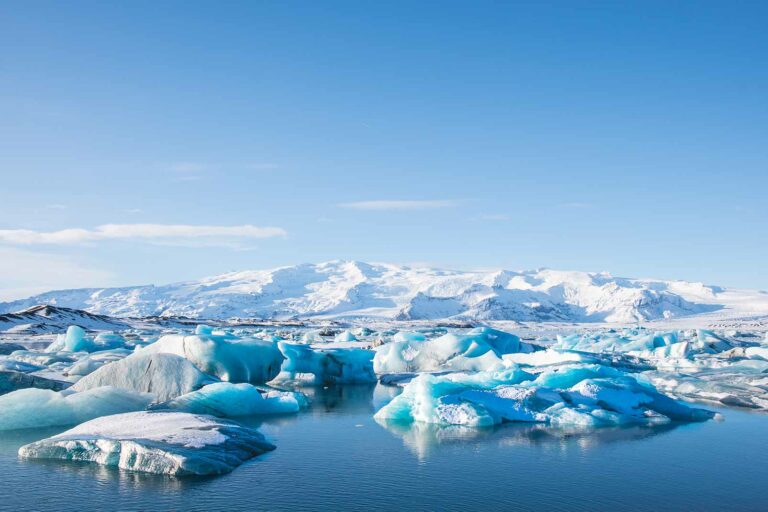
(35, 408)
(172, 443)
(229, 400)
(590, 395)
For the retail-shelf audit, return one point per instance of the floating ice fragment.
(171, 443)
(326, 366)
(35, 408)
(164, 375)
(225, 356)
(480, 350)
(229, 400)
(590, 396)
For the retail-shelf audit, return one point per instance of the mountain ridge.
(352, 289)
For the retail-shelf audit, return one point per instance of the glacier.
(170, 443)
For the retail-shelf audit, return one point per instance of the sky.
(153, 142)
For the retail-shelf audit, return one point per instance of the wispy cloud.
(496, 217)
(149, 232)
(576, 205)
(398, 204)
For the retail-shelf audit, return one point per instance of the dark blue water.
(336, 457)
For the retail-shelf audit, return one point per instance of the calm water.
(336, 457)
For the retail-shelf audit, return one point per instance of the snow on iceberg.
(171, 443)
(479, 350)
(228, 357)
(164, 375)
(325, 366)
(229, 400)
(36, 408)
(592, 396)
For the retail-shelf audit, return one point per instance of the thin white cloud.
(496, 217)
(399, 204)
(150, 232)
(577, 205)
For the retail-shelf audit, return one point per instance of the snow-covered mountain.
(351, 289)
(45, 319)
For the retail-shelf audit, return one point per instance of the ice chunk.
(325, 366)
(74, 340)
(501, 342)
(231, 400)
(8, 348)
(448, 352)
(172, 443)
(13, 380)
(228, 357)
(96, 360)
(648, 344)
(402, 336)
(35, 408)
(345, 336)
(164, 375)
(590, 396)
(548, 357)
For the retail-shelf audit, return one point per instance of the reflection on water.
(423, 439)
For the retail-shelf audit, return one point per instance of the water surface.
(336, 457)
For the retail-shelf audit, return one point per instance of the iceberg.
(325, 366)
(8, 348)
(96, 360)
(14, 380)
(345, 336)
(166, 376)
(228, 357)
(171, 443)
(36, 408)
(229, 400)
(76, 340)
(589, 396)
(479, 350)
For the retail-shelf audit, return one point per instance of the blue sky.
(216, 136)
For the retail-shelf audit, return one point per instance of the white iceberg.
(166, 376)
(229, 400)
(36, 408)
(228, 357)
(172, 443)
(480, 350)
